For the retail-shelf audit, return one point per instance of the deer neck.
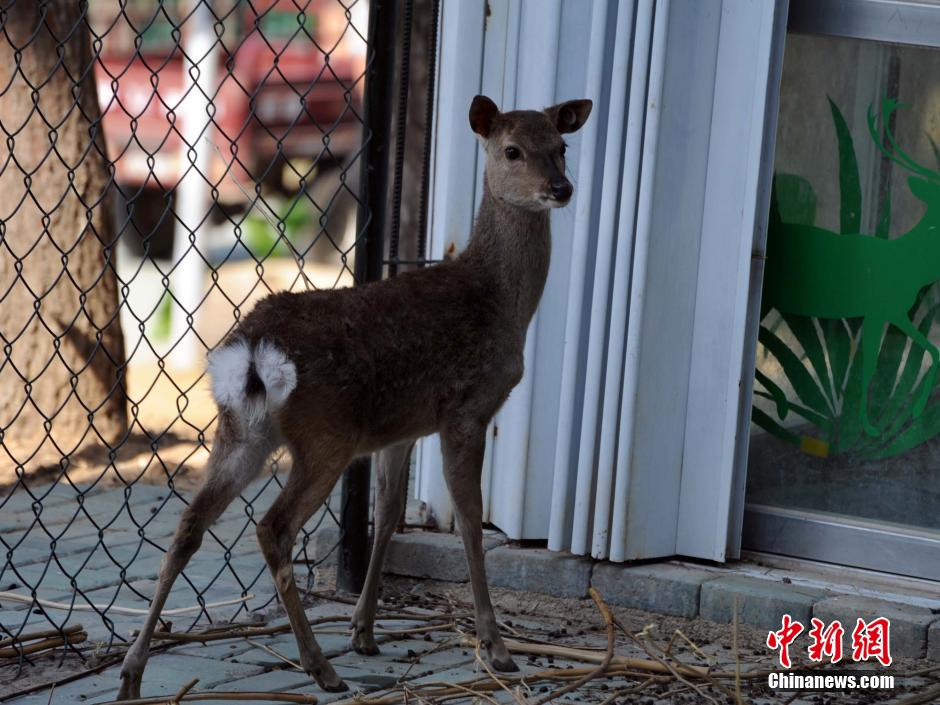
(513, 246)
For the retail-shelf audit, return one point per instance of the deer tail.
(251, 382)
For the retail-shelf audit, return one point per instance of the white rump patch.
(228, 368)
(276, 371)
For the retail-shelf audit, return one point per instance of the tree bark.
(62, 362)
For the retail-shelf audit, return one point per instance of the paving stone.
(908, 623)
(463, 668)
(368, 673)
(327, 608)
(286, 679)
(664, 588)
(25, 555)
(933, 641)
(46, 580)
(538, 570)
(431, 655)
(164, 675)
(760, 603)
(167, 673)
(439, 556)
(49, 495)
(331, 645)
(101, 571)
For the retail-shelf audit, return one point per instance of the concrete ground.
(99, 541)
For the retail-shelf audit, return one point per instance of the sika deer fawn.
(811, 271)
(338, 374)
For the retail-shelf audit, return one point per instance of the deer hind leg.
(236, 459)
(904, 324)
(463, 445)
(306, 489)
(871, 343)
(391, 490)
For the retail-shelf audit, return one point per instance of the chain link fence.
(165, 165)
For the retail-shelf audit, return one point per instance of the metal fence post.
(353, 559)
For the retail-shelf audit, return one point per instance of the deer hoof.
(329, 680)
(130, 686)
(364, 643)
(504, 665)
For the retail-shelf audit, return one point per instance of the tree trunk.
(62, 368)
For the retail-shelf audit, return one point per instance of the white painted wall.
(620, 441)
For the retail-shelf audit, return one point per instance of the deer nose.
(561, 188)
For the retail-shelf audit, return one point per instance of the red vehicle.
(288, 88)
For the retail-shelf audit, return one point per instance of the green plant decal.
(852, 303)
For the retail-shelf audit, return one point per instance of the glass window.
(846, 416)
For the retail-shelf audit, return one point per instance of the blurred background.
(271, 196)
(224, 163)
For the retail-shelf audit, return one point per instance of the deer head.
(925, 183)
(525, 152)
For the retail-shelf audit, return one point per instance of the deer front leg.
(930, 379)
(391, 488)
(463, 445)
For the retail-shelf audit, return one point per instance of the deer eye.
(513, 153)
(563, 148)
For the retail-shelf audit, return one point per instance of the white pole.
(193, 193)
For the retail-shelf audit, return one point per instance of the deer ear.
(569, 116)
(482, 113)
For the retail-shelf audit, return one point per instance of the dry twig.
(116, 609)
(605, 662)
(238, 631)
(675, 671)
(276, 654)
(737, 656)
(182, 691)
(272, 697)
(591, 656)
(49, 639)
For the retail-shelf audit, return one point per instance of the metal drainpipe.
(401, 131)
(353, 559)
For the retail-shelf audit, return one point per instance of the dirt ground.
(539, 619)
(724, 647)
